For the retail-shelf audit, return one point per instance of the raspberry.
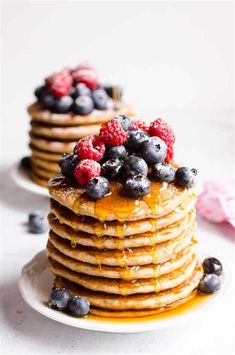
(163, 130)
(86, 170)
(90, 147)
(112, 133)
(86, 76)
(84, 65)
(139, 124)
(59, 83)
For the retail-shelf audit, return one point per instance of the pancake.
(46, 164)
(116, 228)
(141, 302)
(156, 254)
(41, 172)
(42, 154)
(52, 146)
(132, 241)
(38, 179)
(124, 287)
(67, 119)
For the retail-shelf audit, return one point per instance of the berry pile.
(130, 151)
(76, 90)
(211, 282)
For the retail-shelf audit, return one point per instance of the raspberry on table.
(136, 124)
(86, 76)
(59, 83)
(86, 170)
(112, 133)
(163, 130)
(90, 147)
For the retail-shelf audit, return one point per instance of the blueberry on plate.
(68, 163)
(40, 90)
(135, 166)
(83, 105)
(163, 172)
(79, 306)
(154, 150)
(48, 100)
(26, 163)
(37, 222)
(97, 187)
(100, 99)
(210, 283)
(186, 177)
(63, 104)
(60, 298)
(136, 139)
(136, 186)
(125, 121)
(112, 168)
(212, 266)
(114, 152)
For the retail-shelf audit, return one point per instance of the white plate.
(36, 284)
(21, 177)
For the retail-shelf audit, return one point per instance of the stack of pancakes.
(128, 257)
(53, 134)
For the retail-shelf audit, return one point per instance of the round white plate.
(21, 177)
(36, 284)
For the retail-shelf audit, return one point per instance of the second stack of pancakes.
(128, 257)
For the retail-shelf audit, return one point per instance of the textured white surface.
(175, 60)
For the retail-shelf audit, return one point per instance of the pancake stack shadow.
(115, 253)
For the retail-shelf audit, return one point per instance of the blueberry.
(186, 177)
(48, 100)
(112, 168)
(135, 166)
(63, 104)
(39, 91)
(26, 163)
(100, 99)
(154, 150)
(97, 187)
(136, 139)
(83, 90)
(79, 306)
(113, 91)
(60, 298)
(136, 186)
(210, 283)
(125, 121)
(73, 92)
(163, 172)
(68, 163)
(37, 222)
(83, 105)
(118, 151)
(212, 266)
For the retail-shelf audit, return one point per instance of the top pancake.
(162, 199)
(69, 119)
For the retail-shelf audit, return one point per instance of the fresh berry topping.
(163, 172)
(60, 298)
(170, 153)
(163, 130)
(136, 139)
(83, 90)
(136, 186)
(86, 76)
(136, 124)
(83, 105)
(79, 306)
(212, 266)
(40, 91)
(63, 104)
(125, 121)
(37, 222)
(154, 150)
(26, 163)
(210, 283)
(113, 91)
(48, 100)
(90, 147)
(85, 65)
(112, 133)
(186, 177)
(100, 98)
(135, 166)
(116, 152)
(97, 187)
(59, 83)
(112, 168)
(86, 170)
(67, 164)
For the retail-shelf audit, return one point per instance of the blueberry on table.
(26, 163)
(37, 222)
(212, 266)
(186, 177)
(135, 166)
(210, 283)
(48, 100)
(125, 121)
(68, 163)
(97, 187)
(100, 99)
(83, 105)
(163, 172)
(136, 139)
(118, 151)
(136, 186)
(60, 298)
(112, 168)
(154, 150)
(63, 104)
(79, 306)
